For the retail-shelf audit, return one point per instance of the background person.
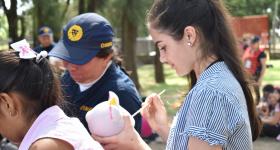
(254, 59)
(88, 56)
(45, 38)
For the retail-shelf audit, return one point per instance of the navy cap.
(255, 39)
(45, 31)
(83, 37)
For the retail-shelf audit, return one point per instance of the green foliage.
(50, 14)
(113, 10)
(3, 27)
(252, 7)
(249, 7)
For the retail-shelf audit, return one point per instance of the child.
(262, 107)
(267, 89)
(30, 117)
(271, 115)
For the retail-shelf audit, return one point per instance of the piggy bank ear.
(113, 99)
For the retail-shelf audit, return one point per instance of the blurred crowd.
(254, 57)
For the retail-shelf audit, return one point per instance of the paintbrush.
(138, 111)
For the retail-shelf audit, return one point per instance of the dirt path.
(260, 144)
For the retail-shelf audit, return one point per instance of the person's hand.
(263, 109)
(127, 139)
(261, 105)
(155, 114)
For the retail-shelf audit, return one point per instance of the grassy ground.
(176, 87)
(272, 74)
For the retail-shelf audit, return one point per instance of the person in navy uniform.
(88, 56)
(45, 38)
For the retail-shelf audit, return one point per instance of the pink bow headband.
(25, 52)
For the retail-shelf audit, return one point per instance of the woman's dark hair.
(36, 82)
(116, 57)
(210, 19)
(268, 88)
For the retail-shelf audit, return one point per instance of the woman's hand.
(127, 139)
(155, 114)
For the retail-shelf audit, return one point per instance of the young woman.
(29, 113)
(195, 39)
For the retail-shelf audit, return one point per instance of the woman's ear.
(190, 35)
(8, 105)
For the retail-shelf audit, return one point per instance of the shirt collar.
(214, 68)
(85, 86)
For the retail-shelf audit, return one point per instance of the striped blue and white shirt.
(214, 111)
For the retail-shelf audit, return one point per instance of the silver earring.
(189, 44)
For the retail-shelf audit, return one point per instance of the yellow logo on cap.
(75, 33)
(105, 45)
(45, 30)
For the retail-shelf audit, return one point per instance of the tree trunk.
(129, 35)
(12, 21)
(91, 6)
(22, 25)
(40, 16)
(159, 75)
(65, 9)
(37, 20)
(12, 18)
(82, 6)
(34, 24)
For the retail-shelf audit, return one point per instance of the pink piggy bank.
(106, 118)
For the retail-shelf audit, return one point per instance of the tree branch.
(4, 6)
(65, 10)
(22, 24)
(13, 5)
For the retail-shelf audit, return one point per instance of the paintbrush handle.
(138, 111)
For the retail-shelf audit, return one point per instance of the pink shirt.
(53, 123)
(277, 108)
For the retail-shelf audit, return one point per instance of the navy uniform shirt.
(114, 80)
(39, 48)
